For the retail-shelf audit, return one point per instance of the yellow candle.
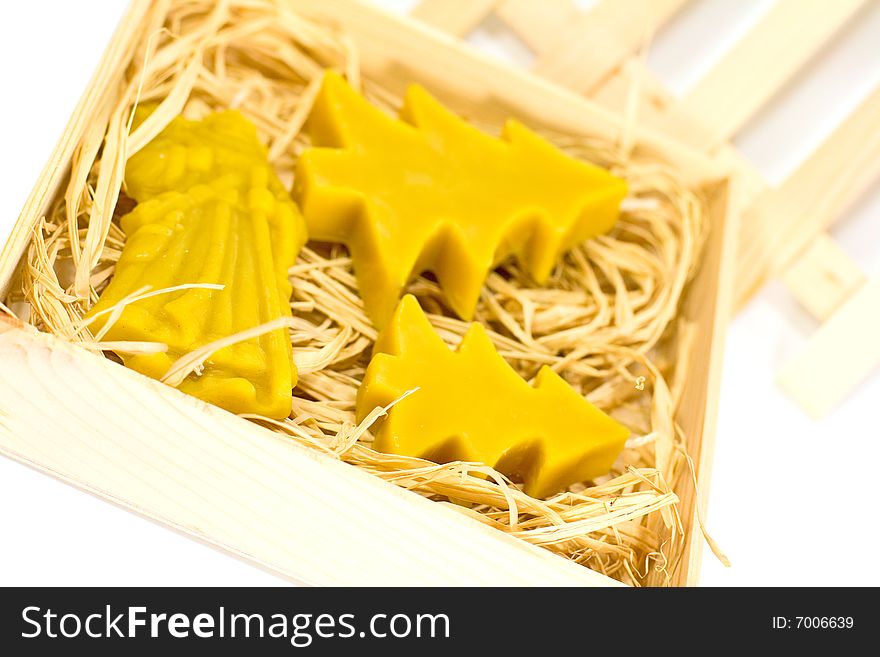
(211, 210)
(431, 192)
(471, 405)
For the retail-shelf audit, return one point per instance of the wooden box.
(293, 510)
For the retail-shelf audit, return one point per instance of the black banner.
(403, 621)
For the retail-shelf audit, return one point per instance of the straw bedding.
(606, 321)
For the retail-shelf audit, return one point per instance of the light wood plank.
(839, 356)
(783, 222)
(601, 40)
(658, 109)
(456, 17)
(750, 182)
(783, 40)
(708, 305)
(823, 277)
(244, 489)
(538, 24)
(655, 101)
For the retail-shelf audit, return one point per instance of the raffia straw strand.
(192, 361)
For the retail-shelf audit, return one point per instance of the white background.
(793, 501)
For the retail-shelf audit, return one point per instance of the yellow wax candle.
(431, 192)
(211, 210)
(472, 406)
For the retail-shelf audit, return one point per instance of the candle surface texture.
(428, 191)
(470, 405)
(210, 210)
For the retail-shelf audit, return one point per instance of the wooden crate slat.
(784, 221)
(601, 40)
(839, 356)
(823, 277)
(750, 183)
(538, 24)
(244, 489)
(655, 101)
(574, 48)
(657, 108)
(837, 272)
(456, 17)
(773, 51)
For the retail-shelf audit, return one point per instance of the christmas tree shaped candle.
(428, 191)
(470, 405)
